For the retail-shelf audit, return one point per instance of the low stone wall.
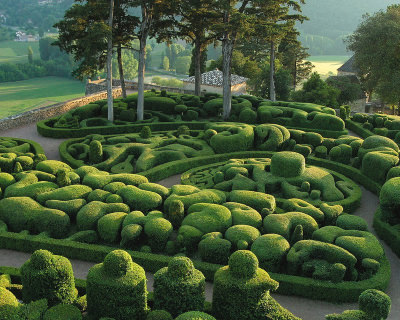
(52, 110)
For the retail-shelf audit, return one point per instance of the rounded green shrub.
(63, 312)
(158, 232)
(287, 164)
(312, 138)
(176, 213)
(116, 288)
(48, 276)
(109, 226)
(243, 214)
(247, 115)
(321, 152)
(159, 315)
(179, 287)
(95, 152)
(245, 233)
(303, 149)
(130, 235)
(215, 250)
(8, 304)
(350, 222)
(375, 304)
(390, 201)
(256, 200)
(195, 315)
(145, 133)
(271, 251)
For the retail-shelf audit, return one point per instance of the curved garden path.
(301, 307)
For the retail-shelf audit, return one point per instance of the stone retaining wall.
(52, 110)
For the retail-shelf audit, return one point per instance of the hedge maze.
(265, 204)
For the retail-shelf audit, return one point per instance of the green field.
(17, 97)
(325, 65)
(13, 51)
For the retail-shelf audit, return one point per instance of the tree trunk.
(272, 94)
(109, 65)
(121, 71)
(227, 50)
(197, 68)
(295, 75)
(142, 62)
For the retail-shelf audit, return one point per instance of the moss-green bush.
(179, 287)
(243, 214)
(242, 235)
(231, 137)
(109, 226)
(284, 224)
(271, 137)
(319, 260)
(256, 200)
(390, 201)
(23, 213)
(63, 312)
(158, 232)
(287, 164)
(117, 288)
(139, 199)
(208, 217)
(215, 250)
(375, 304)
(48, 276)
(271, 251)
(89, 215)
(195, 315)
(190, 195)
(376, 165)
(95, 152)
(159, 315)
(241, 289)
(66, 193)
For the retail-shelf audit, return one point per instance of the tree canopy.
(375, 44)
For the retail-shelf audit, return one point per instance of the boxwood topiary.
(48, 276)
(241, 290)
(195, 315)
(390, 201)
(117, 288)
(63, 312)
(179, 287)
(375, 304)
(271, 251)
(158, 232)
(159, 315)
(215, 250)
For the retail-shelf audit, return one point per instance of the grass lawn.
(327, 64)
(21, 96)
(14, 51)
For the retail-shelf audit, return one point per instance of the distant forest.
(332, 20)
(31, 15)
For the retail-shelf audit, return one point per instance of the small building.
(212, 82)
(348, 69)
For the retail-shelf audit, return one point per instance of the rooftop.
(214, 78)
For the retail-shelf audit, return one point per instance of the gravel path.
(301, 307)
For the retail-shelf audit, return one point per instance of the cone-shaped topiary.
(117, 288)
(179, 287)
(48, 276)
(241, 289)
(95, 152)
